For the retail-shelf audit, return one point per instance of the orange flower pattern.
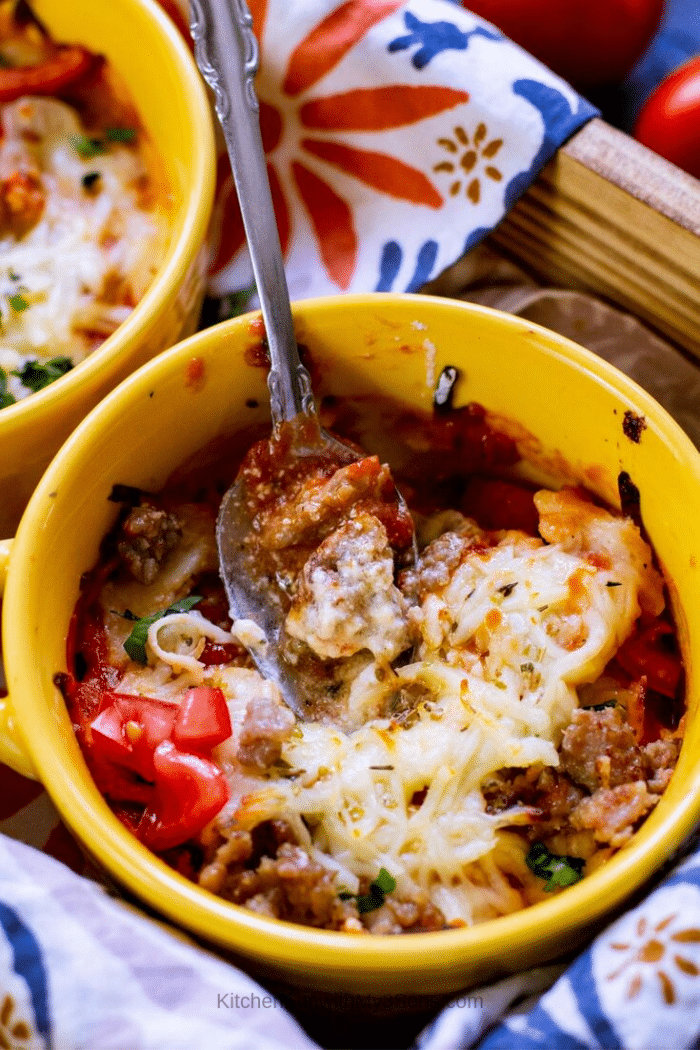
(15, 1033)
(654, 953)
(352, 102)
(467, 153)
(376, 109)
(646, 969)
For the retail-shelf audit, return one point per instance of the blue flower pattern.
(433, 38)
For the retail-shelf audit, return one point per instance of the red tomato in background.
(590, 44)
(669, 121)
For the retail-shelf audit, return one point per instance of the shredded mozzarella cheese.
(80, 269)
(503, 642)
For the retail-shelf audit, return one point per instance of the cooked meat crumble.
(146, 537)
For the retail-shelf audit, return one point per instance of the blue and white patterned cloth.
(397, 133)
(636, 987)
(80, 971)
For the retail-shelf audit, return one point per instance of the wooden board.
(611, 217)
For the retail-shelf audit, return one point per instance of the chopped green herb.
(235, 303)
(18, 302)
(90, 180)
(135, 644)
(559, 871)
(37, 374)
(6, 398)
(613, 583)
(120, 134)
(12, 275)
(87, 147)
(527, 668)
(601, 707)
(383, 884)
(508, 589)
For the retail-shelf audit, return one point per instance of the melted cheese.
(91, 255)
(504, 644)
(504, 640)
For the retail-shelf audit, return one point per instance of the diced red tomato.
(652, 653)
(129, 815)
(220, 653)
(202, 720)
(128, 729)
(190, 791)
(148, 751)
(117, 783)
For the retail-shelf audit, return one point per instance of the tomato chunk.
(220, 653)
(202, 720)
(47, 78)
(118, 783)
(128, 729)
(190, 791)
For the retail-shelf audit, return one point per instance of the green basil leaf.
(369, 901)
(135, 644)
(383, 884)
(6, 398)
(120, 134)
(384, 881)
(18, 302)
(557, 870)
(87, 147)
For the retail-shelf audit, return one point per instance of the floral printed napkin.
(79, 971)
(637, 987)
(397, 136)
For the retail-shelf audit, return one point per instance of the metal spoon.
(226, 52)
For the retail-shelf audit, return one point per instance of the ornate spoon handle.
(227, 55)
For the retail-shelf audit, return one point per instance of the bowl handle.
(12, 751)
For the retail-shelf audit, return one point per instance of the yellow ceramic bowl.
(159, 72)
(573, 402)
